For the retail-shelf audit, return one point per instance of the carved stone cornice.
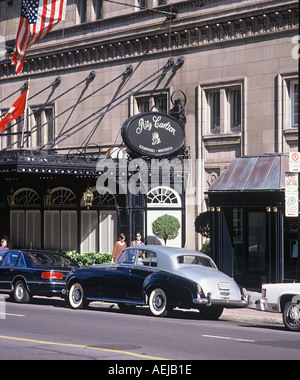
(178, 39)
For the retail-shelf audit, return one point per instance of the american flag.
(38, 17)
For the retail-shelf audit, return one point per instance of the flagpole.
(25, 115)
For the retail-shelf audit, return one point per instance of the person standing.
(9, 243)
(137, 241)
(118, 247)
(3, 247)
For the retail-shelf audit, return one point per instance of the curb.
(250, 318)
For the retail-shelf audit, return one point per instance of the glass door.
(257, 248)
(291, 269)
(250, 251)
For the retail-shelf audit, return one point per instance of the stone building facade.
(239, 77)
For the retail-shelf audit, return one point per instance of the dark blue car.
(27, 273)
(162, 278)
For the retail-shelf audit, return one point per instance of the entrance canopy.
(251, 181)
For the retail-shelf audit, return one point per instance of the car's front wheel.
(158, 303)
(76, 296)
(291, 316)
(211, 312)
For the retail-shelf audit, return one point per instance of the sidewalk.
(251, 314)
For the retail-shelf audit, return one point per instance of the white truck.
(282, 298)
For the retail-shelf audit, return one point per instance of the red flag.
(15, 111)
(38, 17)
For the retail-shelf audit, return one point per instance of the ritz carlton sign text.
(153, 134)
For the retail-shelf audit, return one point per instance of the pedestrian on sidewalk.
(137, 241)
(118, 247)
(3, 247)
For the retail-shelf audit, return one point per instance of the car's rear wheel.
(158, 303)
(76, 296)
(20, 293)
(291, 316)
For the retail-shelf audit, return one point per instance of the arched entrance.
(163, 200)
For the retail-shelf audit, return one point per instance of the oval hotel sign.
(153, 134)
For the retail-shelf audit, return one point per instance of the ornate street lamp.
(48, 199)
(11, 198)
(88, 197)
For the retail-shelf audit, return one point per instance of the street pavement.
(247, 314)
(251, 314)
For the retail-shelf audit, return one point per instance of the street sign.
(294, 162)
(291, 194)
(291, 182)
(291, 204)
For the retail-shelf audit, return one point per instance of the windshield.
(127, 257)
(49, 259)
(195, 260)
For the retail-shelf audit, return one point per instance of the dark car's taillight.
(52, 275)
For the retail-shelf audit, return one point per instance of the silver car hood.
(211, 280)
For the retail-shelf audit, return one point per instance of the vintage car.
(282, 298)
(25, 273)
(162, 278)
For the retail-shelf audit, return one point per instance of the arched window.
(163, 197)
(26, 197)
(62, 196)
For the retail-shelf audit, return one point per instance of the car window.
(195, 260)
(21, 261)
(11, 259)
(127, 257)
(147, 258)
(49, 259)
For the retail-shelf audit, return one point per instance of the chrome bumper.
(208, 301)
(262, 304)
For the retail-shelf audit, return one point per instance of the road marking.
(228, 338)
(13, 315)
(82, 346)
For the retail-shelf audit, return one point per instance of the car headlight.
(199, 290)
(244, 292)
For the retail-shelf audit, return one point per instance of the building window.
(82, 11)
(294, 93)
(42, 125)
(151, 103)
(142, 3)
(235, 109)
(163, 196)
(13, 132)
(63, 197)
(98, 9)
(223, 108)
(26, 197)
(214, 111)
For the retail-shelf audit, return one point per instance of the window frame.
(225, 89)
(152, 100)
(293, 104)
